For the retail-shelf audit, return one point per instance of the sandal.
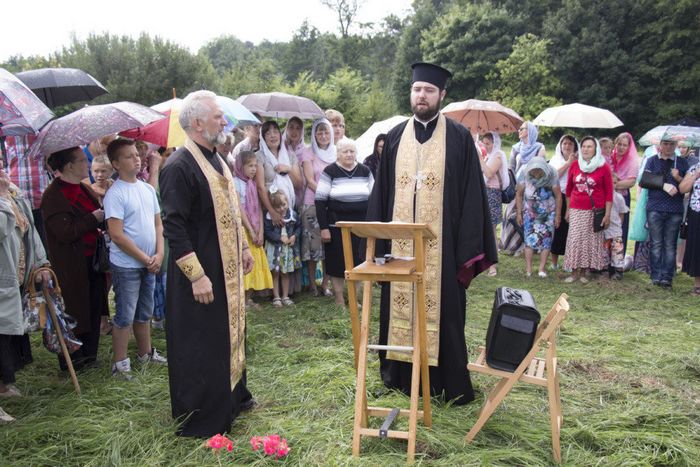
(328, 292)
(286, 301)
(695, 291)
(492, 272)
(252, 305)
(277, 302)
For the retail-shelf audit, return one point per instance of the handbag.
(33, 305)
(100, 260)
(508, 194)
(652, 181)
(598, 215)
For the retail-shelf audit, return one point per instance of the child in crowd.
(102, 173)
(606, 147)
(613, 237)
(281, 247)
(136, 254)
(245, 167)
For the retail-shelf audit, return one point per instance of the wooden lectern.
(400, 270)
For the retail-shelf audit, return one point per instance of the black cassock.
(198, 340)
(468, 248)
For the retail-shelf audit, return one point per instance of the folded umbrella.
(89, 123)
(484, 116)
(21, 112)
(61, 86)
(577, 116)
(281, 105)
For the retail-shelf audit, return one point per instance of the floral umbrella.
(21, 112)
(690, 135)
(89, 123)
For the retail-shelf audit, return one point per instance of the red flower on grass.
(272, 445)
(218, 442)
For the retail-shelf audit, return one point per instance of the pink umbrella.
(21, 112)
(89, 123)
(484, 116)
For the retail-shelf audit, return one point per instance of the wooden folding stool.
(532, 370)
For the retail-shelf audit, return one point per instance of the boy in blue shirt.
(136, 254)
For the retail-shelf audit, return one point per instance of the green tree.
(468, 39)
(524, 81)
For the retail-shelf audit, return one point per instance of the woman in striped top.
(342, 194)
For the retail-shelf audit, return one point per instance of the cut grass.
(630, 369)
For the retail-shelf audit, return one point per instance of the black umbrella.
(61, 86)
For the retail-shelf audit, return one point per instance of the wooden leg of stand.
(554, 402)
(424, 371)
(415, 384)
(361, 384)
(66, 355)
(354, 318)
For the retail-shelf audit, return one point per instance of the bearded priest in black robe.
(209, 255)
(430, 173)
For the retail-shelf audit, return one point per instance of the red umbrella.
(165, 132)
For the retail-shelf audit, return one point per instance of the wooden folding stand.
(399, 270)
(533, 370)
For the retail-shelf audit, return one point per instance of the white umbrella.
(577, 116)
(484, 116)
(281, 105)
(365, 143)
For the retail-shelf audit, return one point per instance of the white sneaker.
(5, 417)
(122, 369)
(153, 357)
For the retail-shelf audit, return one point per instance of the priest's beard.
(219, 138)
(426, 113)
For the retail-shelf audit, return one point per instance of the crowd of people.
(175, 245)
(578, 205)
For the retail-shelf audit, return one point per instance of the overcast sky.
(39, 27)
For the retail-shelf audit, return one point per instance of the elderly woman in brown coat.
(72, 215)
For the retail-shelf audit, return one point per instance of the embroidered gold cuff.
(190, 267)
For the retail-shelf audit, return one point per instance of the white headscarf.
(327, 155)
(559, 160)
(596, 161)
(281, 182)
(496, 152)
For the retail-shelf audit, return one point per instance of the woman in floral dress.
(538, 210)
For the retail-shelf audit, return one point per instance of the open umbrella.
(281, 105)
(484, 116)
(689, 135)
(365, 143)
(577, 116)
(21, 112)
(89, 123)
(236, 113)
(166, 131)
(61, 86)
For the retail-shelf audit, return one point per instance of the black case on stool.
(512, 328)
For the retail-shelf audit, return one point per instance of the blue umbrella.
(236, 113)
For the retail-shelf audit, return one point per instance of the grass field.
(630, 365)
